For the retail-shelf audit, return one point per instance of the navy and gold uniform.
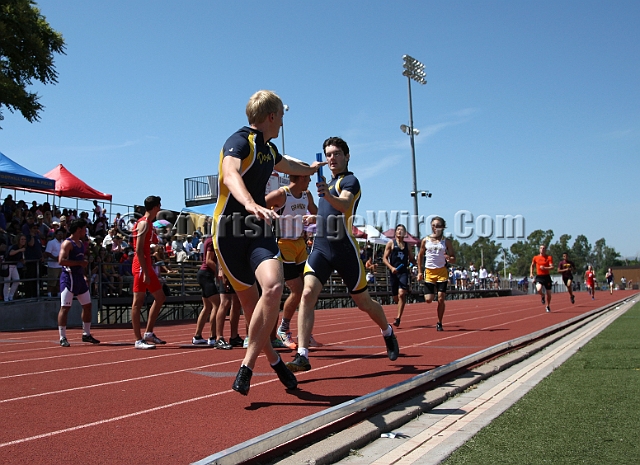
(334, 246)
(241, 241)
(399, 259)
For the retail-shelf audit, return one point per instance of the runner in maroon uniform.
(144, 277)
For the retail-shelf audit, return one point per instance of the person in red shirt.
(590, 281)
(543, 264)
(144, 277)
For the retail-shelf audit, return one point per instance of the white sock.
(388, 331)
(63, 331)
(86, 328)
(304, 352)
(274, 364)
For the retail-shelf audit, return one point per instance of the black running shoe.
(222, 344)
(300, 363)
(548, 309)
(396, 322)
(236, 341)
(89, 338)
(64, 342)
(439, 327)
(285, 375)
(542, 300)
(573, 299)
(392, 347)
(242, 384)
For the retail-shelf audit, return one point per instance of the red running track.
(109, 403)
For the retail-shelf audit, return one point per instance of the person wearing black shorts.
(211, 310)
(243, 239)
(566, 267)
(335, 248)
(543, 263)
(397, 257)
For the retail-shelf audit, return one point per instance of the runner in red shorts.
(590, 281)
(144, 277)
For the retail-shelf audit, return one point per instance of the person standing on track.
(244, 243)
(292, 203)
(73, 282)
(590, 281)
(436, 251)
(211, 310)
(397, 256)
(567, 268)
(543, 264)
(335, 248)
(610, 280)
(144, 276)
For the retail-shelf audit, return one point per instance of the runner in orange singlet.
(543, 264)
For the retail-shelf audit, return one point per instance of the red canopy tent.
(391, 234)
(68, 185)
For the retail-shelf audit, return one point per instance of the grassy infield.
(587, 411)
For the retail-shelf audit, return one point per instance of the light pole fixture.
(286, 108)
(413, 69)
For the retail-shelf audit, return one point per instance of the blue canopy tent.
(13, 175)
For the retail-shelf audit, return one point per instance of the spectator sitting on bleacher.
(100, 227)
(108, 238)
(371, 269)
(188, 248)
(160, 258)
(178, 249)
(169, 250)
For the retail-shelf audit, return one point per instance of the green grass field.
(586, 412)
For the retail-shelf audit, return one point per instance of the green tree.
(27, 47)
(581, 253)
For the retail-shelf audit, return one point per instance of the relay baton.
(319, 159)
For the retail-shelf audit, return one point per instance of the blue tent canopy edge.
(14, 175)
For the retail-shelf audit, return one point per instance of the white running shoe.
(197, 340)
(245, 343)
(144, 345)
(151, 337)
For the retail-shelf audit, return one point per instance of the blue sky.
(531, 108)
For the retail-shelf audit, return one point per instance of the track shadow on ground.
(310, 400)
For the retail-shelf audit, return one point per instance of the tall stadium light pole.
(286, 108)
(413, 69)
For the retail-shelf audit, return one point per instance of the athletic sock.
(63, 331)
(284, 326)
(274, 364)
(304, 352)
(388, 331)
(86, 328)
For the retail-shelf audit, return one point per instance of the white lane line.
(93, 365)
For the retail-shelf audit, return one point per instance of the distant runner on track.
(436, 251)
(566, 267)
(543, 263)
